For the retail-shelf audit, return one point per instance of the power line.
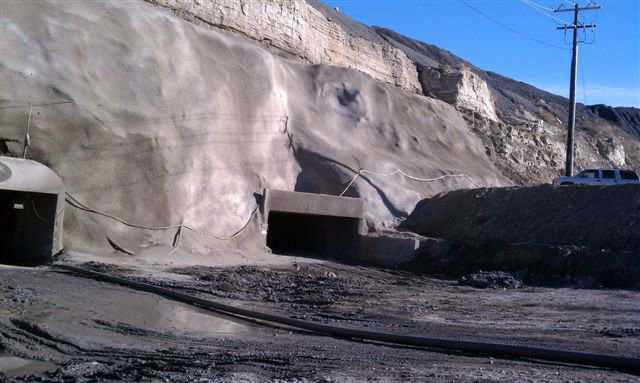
(543, 11)
(509, 28)
(538, 5)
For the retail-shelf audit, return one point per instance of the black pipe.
(582, 358)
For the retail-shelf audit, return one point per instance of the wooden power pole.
(574, 70)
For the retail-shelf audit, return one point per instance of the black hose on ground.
(581, 358)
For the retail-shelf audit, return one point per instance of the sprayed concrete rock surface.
(162, 122)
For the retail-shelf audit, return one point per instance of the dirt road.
(66, 328)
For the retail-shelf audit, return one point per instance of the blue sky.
(609, 67)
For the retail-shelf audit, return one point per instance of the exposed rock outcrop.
(462, 88)
(302, 30)
(613, 151)
(527, 140)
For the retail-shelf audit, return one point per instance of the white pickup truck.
(600, 177)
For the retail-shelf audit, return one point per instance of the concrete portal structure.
(312, 224)
(32, 201)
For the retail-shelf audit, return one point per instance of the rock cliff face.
(527, 139)
(462, 88)
(301, 30)
(523, 128)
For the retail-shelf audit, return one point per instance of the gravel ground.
(64, 328)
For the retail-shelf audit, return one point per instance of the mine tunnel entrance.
(26, 227)
(315, 225)
(314, 235)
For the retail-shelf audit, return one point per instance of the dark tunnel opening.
(27, 222)
(312, 235)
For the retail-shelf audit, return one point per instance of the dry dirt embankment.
(584, 235)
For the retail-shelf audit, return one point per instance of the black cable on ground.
(628, 364)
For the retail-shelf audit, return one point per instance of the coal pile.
(491, 280)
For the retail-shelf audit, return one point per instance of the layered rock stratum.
(172, 112)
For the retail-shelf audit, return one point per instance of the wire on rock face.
(73, 201)
(398, 171)
(234, 235)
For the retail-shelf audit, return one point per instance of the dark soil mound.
(593, 217)
(578, 236)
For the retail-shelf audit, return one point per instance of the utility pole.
(574, 70)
